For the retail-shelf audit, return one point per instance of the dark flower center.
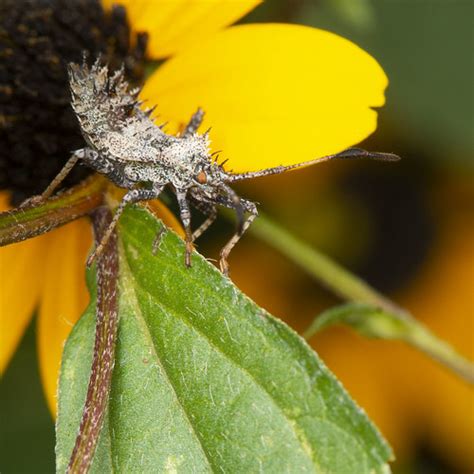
(38, 38)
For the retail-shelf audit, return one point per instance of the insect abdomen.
(102, 103)
(109, 114)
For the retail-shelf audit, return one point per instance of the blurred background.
(407, 228)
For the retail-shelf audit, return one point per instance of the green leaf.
(207, 381)
(375, 322)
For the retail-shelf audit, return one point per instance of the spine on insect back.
(103, 102)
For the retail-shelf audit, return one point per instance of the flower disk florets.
(38, 38)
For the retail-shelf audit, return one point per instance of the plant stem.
(104, 348)
(332, 275)
(25, 222)
(374, 322)
(348, 286)
(424, 340)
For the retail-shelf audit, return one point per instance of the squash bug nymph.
(125, 145)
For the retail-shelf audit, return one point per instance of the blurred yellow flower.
(409, 396)
(274, 94)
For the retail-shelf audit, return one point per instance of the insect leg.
(157, 240)
(223, 264)
(135, 195)
(185, 215)
(236, 203)
(210, 211)
(77, 155)
(193, 123)
(56, 181)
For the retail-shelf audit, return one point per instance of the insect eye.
(201, 177)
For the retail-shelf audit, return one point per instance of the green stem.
(40, 217)
(374, 322)
(332, 275)
(422, 339)
(349, 287)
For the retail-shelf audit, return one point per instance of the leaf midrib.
(299, 434)
(139, 314)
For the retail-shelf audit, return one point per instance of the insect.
(125, 145)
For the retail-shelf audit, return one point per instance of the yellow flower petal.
(20, 267)
(274, 94)
(4, 199)
(175, 25)
(64, 297)
(20, 288)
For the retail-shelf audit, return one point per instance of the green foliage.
(379, 323)
(207, 381)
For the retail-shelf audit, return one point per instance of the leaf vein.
(299, 435)
(139, 314)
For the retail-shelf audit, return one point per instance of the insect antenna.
(350, 153)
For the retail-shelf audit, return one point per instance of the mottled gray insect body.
(126, 145)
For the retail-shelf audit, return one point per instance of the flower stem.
(374, 322)
(352, 288)
(104, 348)
(332, 275)
(25, 222)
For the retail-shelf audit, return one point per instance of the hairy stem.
(38, 218)
(104, 348)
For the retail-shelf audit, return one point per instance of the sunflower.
(273, 93)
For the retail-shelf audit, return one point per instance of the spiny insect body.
(125, 144)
